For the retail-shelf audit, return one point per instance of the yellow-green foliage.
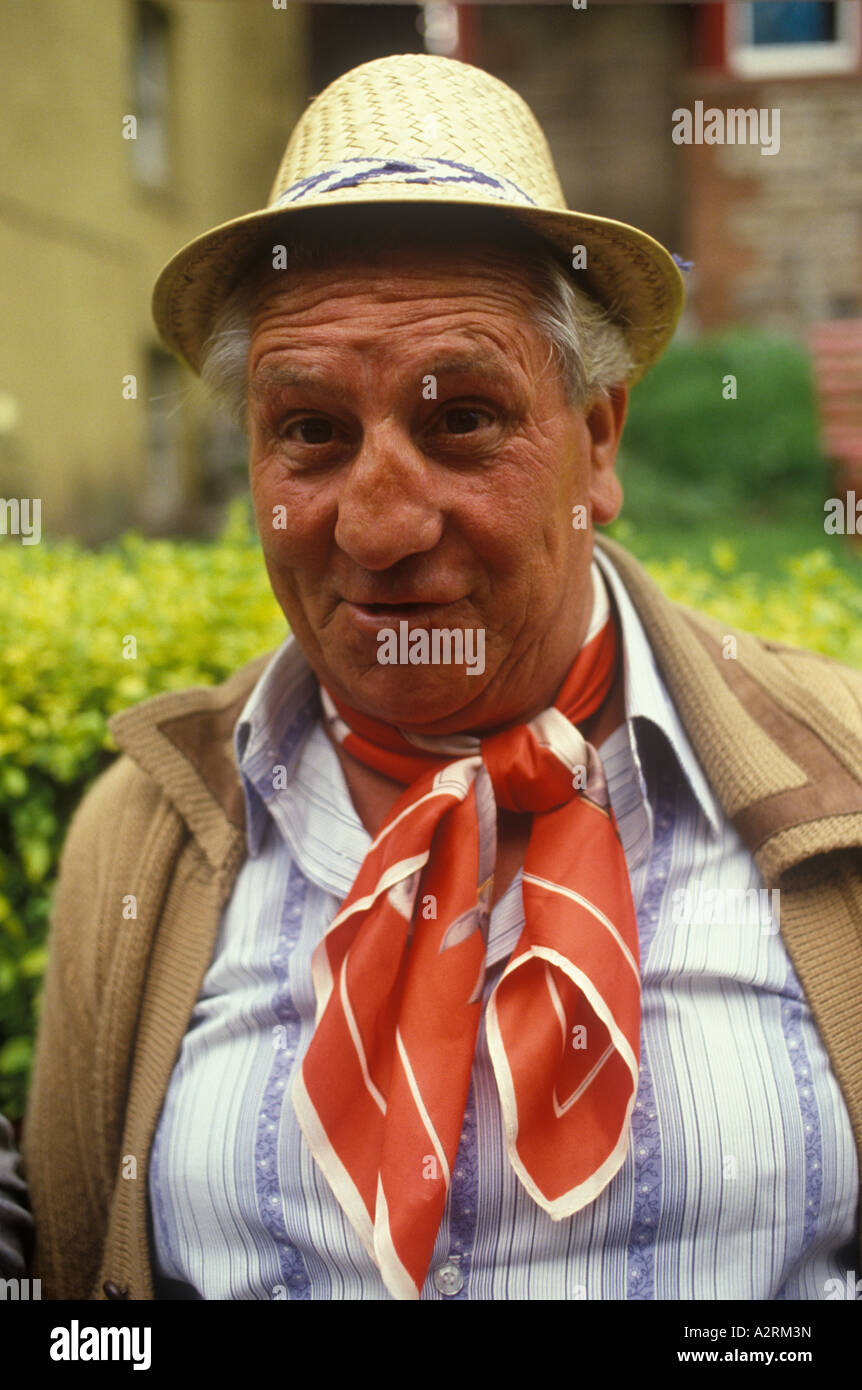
(197, 611)
(813, 604)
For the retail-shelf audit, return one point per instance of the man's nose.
(386, 505)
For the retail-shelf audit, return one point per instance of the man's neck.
(611, 715)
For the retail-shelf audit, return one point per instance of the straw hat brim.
(627, 271)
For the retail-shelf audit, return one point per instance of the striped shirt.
(741, 1178)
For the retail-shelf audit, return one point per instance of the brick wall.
(602, 82)
(778, 238)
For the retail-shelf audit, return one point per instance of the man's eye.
(311, 429)
(464, 419)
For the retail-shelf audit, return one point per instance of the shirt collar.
(646, 697)
(285, 704)
(269, 734)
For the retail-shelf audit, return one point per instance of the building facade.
(129, 127)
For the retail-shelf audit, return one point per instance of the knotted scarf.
(399, 975)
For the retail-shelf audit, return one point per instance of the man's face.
(409, 423)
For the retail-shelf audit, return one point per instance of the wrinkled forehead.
(453, 311)
(380, 335)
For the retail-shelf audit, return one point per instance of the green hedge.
(690, 456)
(198, 611)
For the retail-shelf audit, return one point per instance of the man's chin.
(409, 698)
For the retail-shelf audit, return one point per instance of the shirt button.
(449, 1279)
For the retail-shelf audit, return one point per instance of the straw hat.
(417, 128)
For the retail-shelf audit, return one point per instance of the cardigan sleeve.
(69, 1142)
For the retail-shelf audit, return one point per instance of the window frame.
(152, 99)
(835, 56)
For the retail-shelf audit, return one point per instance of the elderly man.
(420, 997)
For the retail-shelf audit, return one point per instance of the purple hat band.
(352, 173)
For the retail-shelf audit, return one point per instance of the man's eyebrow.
(485, 364)
(273, 377)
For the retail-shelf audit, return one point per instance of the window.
(790, 38)
(150, 148)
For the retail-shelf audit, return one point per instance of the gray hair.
(588, 347)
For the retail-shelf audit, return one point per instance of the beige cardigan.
(779, 735)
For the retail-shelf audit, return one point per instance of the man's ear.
(604, 420)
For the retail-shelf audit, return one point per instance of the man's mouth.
(391, 613)
(405, 609)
